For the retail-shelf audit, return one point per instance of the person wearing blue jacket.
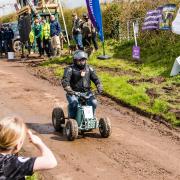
(55, 30)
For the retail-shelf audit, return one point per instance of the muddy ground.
(138, 149)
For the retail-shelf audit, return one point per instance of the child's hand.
(33, 138)
(46, 160)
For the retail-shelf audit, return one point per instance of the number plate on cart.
(88, 112)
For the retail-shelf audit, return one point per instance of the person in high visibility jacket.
(46, 37)
(38, 35)
(31, 37)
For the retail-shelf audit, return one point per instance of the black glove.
(77, 94)
(69, 90)
(99, 88)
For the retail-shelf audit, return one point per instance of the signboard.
(136, 52)
(168, 12)
(88, 112)
(176, 67)
(176, 24)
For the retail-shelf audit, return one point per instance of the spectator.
(55, 30)
(46, 37)
(89, 32)
(10, 39)
(37, 31)
(87, 28)
(12, 137)
(6, 39)
(1, 39)
(76, 30)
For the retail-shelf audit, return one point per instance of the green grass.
(158, 52)
(119, 87)
(59, 72)
(34, 177)
(136, 96)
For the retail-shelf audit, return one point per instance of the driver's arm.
(94, 78)
(66, 79)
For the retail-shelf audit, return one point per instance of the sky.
(10, 5)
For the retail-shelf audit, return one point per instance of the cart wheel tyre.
(17, 46)
(58, 118)
(71, 129)
(105, 127)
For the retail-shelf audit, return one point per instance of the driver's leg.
(92, 102)
(73, 104)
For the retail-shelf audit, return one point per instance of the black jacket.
(77, 26)
(1, 34)
(8, 34)
(15, 168)
(73, 78)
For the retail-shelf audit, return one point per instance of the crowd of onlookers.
(49, 37)
(46, 35)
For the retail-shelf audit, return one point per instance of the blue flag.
(95, 15)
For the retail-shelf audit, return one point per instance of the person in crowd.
(1, 39)
(77, 78)
(12, 136)
(46, 37)
(6, 40)
(8, 37)
(55, 30)
(87, 28)
(89, 32)
(37, 32)
(76, 31)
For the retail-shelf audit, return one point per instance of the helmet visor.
(80, 55)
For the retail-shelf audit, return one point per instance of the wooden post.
(64, 22)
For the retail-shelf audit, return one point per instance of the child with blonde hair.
(12, 135)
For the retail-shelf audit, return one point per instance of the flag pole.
(104, 53)
(95, 15)
(60, 5)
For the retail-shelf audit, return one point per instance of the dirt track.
(138, 149)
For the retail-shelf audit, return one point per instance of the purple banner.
(136, 52)
(151, 21)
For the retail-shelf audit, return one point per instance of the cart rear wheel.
(105, 127)
(58, 118)
(71, 129)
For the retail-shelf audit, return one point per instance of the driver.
(77, 78)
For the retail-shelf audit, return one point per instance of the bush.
(8, 18)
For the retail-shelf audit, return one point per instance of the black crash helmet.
(79, 54)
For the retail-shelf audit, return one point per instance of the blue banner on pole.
(95, 15)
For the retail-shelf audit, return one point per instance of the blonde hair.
(12, 130)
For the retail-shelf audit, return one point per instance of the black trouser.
(10, 46)
(87, 41)
(1, 48)
(94, 40)
(47, 46)
(39, 44)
